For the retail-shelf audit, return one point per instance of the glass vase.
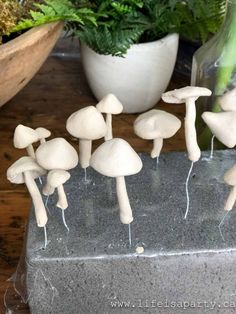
(214, 67)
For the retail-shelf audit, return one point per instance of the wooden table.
(55, 92)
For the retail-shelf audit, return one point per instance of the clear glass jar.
(214, 67)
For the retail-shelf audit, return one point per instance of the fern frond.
(52, 11)
(104, 41)
(112, 26)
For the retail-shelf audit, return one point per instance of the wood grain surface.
(55, 92)
(36, 42)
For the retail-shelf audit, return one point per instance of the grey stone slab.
(91, 268)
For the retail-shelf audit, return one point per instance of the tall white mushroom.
(24, 137)
(156, 125)
(223, 126)
(43, 133)
(116, 158)
(58, 155)
(228, 100)
(26, 170)
(86, 124)
(188, 95)
(109, 105)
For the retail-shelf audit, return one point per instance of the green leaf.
(53, 10)
(112, 26)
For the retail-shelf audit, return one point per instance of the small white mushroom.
(116, 158)
(188, 95)
(43, 134)
(56, 154)
(109, 105)
(24, 137)
(86, 124)
(230, 179)
(228, 100)
(156, 125)
(59, 155)
(223, 126)
(55, 180)
(26, 170)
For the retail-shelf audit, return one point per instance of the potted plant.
(128, 47)
(131, 52)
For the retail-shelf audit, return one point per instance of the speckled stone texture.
(91, 269)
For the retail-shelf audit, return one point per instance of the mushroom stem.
(157, 146)
(40, 211)
(48, 190)
(42, 140)
(126, 216)
(62, 200)
(85, 147)
(193, 149)
(30, 151)
(231, 199)
(109, 136)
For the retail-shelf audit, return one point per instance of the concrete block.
(186, 264)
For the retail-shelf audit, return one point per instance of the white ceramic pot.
(139, 79)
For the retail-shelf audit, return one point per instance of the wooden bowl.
(22, 57)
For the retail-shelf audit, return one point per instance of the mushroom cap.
(24, 136)
(110, 104)
(156, 124)
(180, 95)
(223, 126)
(57, 177)
(43, 133)
(87, 123)
(228, 100)
(230, 176)
(15, 173)
(116, 158)
(57, 154)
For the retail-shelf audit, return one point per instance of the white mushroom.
(43, 134)
(59, 155)
(55, 180)
(230, 179)
(156, 125)
(110, 105)
(86, 124)
(228, 100)
(24, 137)
(188, 95)
(116, 158)
(223, 126)
(56, 154)
(26, 170)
